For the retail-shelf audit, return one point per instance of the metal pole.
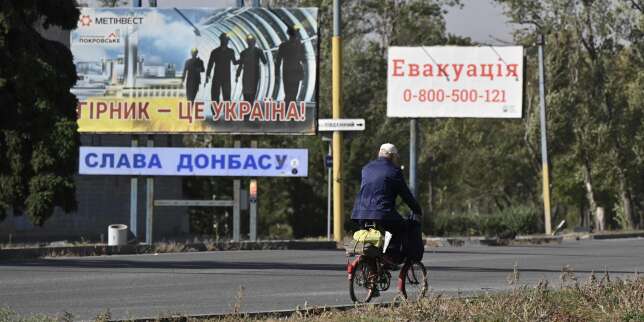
(134, 192)
(329, 193)
(236, 206)
(253, 205)
(149, 203)
(134, 181)
(413, 135)
(338, 193)
(544, 144)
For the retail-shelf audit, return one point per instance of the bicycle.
(364, 283)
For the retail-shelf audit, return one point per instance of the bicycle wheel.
(414, 281)
(361, 283)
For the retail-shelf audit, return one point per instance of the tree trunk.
(590, 195)
(625, 197)
(430, 196)
(600, 219)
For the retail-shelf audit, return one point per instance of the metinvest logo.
(85, 21)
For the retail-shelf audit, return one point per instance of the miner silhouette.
(291, 56)
(193, 69)
(221, 57)
(249, 60)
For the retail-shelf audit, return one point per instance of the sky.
(153, 44)
(481, 20)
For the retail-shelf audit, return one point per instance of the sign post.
(336, 79)
(252, 191)
(544, 142)
(330, 125)
(328, 163)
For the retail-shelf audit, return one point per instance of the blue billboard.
(150, 161)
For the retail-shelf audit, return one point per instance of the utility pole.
(413, 138)
(544, 143)
(134, 181)
(338, 193)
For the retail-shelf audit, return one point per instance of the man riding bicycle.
(382, 182)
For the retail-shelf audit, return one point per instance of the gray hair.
(387, 150)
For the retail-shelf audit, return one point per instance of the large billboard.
(477, 82)
(196, 70)
(153, 161)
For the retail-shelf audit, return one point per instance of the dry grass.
(597, 299)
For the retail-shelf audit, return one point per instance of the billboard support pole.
(253, 205)
(236, 206)
(149, 202)
(134, 181)
(134, 191)
(329, 193)
(338, 193)
(413, 138)
(544, 144)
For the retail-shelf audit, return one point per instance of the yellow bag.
(365, 242)
(370, 236)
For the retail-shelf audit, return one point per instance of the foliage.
(280, 231)
(509, 222)
(595, 85)
(38, 137)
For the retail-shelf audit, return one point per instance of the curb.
(99, 250)
(430, 242)
(488, 241)
(636, 234)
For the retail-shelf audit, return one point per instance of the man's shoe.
(375, 292)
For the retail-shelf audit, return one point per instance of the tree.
(592, 61)
(38, 132)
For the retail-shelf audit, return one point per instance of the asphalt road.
(209, 282)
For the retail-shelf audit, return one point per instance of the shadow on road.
(265, 265)
(109, 263)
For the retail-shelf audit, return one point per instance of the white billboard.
(450, 81)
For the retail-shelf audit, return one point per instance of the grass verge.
(597, 299)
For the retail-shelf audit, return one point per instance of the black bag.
(413, 245)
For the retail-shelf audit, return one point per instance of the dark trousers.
(249, 97)
(291, 87)
(397, 230)
(191, 90)
(220, 85)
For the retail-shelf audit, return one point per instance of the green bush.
(455, 224)
(520, 220)
(280, 231)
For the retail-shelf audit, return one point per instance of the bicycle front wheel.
(414, 283)
(361, 282)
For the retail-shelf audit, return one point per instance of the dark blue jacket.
(382, 182)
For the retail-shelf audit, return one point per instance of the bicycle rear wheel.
(414, 281)
(361, 282)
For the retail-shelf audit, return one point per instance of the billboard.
(196, 70)
(240, 162)
(477, 82)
